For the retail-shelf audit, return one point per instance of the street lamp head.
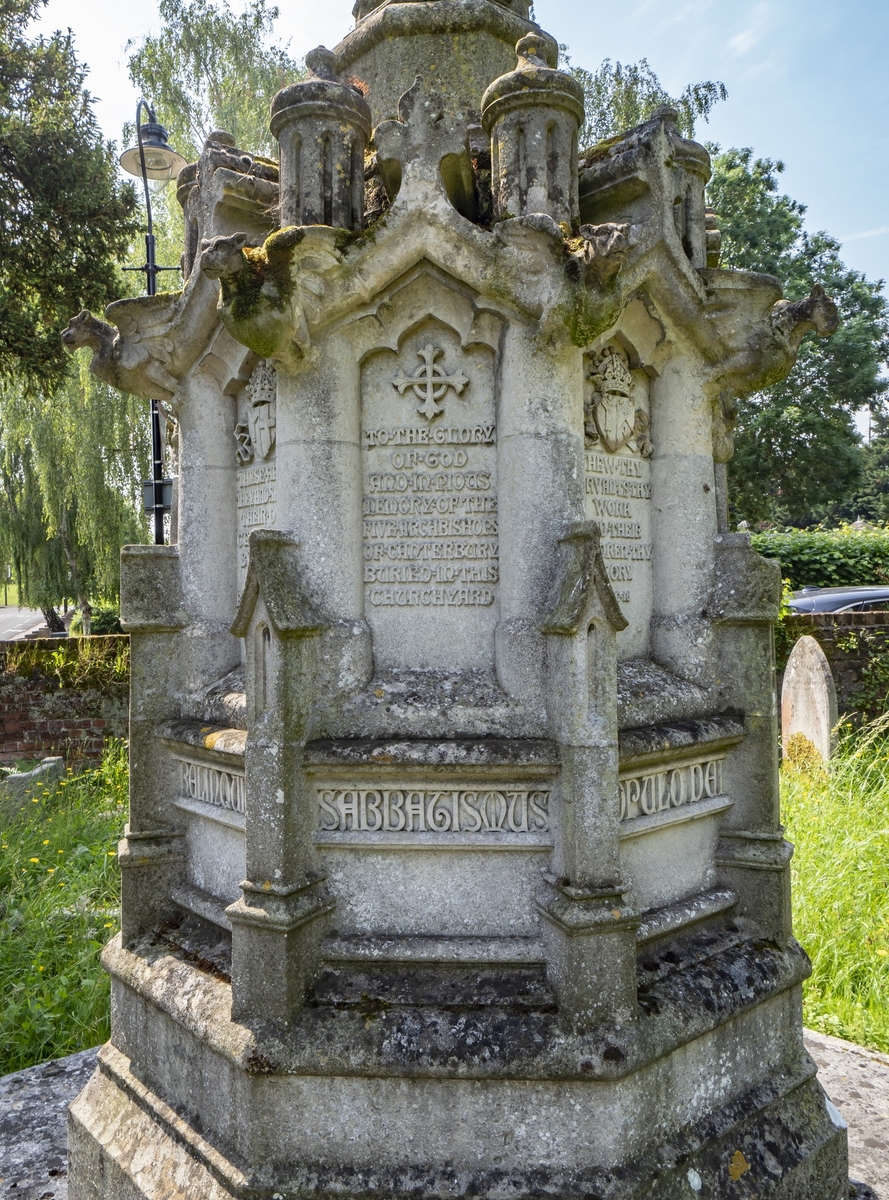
(162, 163)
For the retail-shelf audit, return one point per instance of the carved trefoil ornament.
(611, 414)
(430, 382)
(255, 436)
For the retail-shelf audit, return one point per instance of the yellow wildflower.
(51, 870)
(882, 953)
(34, 860)
(41, 968)
(46, 841)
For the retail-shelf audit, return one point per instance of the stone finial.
(219, 137)
(322, 127)
(533, 115)
(322, 64)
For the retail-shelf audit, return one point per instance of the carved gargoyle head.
(222, 257)
(86, 330)
(817, 313)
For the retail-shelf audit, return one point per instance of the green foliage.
(105, 619)
(618, 96)
(837, 819)
(759, 226)
(82, 663)
(828, 558)
(797, 453)
(64, 217)
(211, 68)
(59, 902)
(70, 465)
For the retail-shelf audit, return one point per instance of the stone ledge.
(432, 752)
(721, 977)
(650, 743)
(33, 1104)
(214, 743)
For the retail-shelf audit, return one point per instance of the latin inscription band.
(448, 810)
(222, 789)
(658, 791)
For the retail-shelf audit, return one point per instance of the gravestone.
(808, 698)
(454, 863)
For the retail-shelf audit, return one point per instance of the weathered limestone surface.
(454, 862)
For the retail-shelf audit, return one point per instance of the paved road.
(16, 621)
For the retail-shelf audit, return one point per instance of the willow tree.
(211, 68)
(70, 466)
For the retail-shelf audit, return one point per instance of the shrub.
(105, 619)
(828, 558)
(75, 663)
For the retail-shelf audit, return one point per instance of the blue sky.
(807, 81)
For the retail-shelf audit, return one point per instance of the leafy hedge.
(828, 558)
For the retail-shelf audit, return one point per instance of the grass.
(838, 818)
(59, 898)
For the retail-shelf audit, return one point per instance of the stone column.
(151, 852)
(753, 857)
(533, 116)
(208, 516)
(684, 523)
(323, 128)
(540, 482)
(318, 435)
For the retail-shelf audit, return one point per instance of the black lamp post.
(155, 161)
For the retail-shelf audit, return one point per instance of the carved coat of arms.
(613, 408)
(611, 414)
(256, 435)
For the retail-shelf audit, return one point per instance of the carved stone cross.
(424, 156)
(430, 382)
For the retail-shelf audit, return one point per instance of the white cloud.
(759, 22)
(854, 237)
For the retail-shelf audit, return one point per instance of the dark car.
(840, 599)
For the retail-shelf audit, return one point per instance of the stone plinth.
(454, 863)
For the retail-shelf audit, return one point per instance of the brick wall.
(42, 712)
(855, 644)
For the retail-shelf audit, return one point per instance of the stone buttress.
(454, 863)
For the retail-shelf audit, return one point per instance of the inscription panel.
(618, 488)
(410, 814)
(257, 499)
(429, 511)
(662, 789)
(211, 785)
(256, 494)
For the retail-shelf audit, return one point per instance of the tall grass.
(838, 818)
(59, 897)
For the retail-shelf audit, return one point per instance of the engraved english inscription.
(255, 454)
(618, 486)
(429, 510)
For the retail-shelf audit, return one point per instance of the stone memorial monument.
(454, 864)
(809, 698)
